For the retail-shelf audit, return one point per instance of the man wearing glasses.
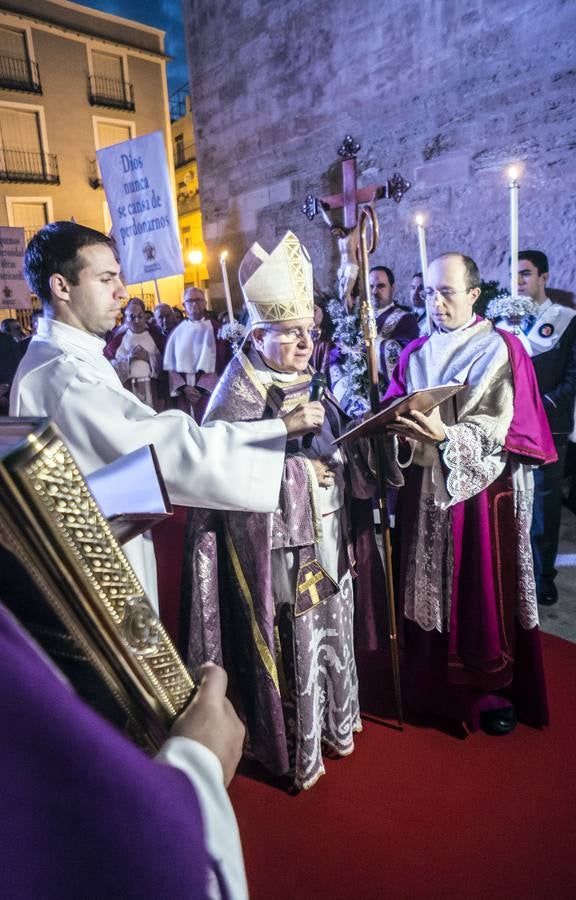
(271, 595)
(472, 650)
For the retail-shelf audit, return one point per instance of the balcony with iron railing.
(111, 92)
(188, 203)
(28, 166)
(184, 155)
(19, 75)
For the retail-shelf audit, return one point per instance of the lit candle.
(423, 263)
(422, 245)
(513, 186)
(223, 256)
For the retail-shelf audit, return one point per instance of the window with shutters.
(109, 85)
(106, 133)
(18, 71)
(112, 131)
(22, 154)
(30, 213)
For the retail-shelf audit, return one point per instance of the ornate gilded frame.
(50, 521)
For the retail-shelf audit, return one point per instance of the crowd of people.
(283, 581)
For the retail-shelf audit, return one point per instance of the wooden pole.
(368, 323)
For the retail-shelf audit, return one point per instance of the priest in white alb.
(195, 357)
(472, 643)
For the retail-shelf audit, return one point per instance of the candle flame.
(223, 255)
(513, 173)
(419, 219)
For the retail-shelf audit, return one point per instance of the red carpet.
(423, 814)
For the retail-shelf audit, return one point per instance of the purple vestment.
(396, 327)
(291, 668)
(488, 651)
(85, 814)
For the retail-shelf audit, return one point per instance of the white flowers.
(232, 331)
(507, 307)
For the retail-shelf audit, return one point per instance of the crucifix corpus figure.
(350, 198)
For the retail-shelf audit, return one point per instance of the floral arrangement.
(234, 332)
(489, 290)
(348, 338)
(507, 307)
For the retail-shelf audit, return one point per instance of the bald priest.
(472, 644)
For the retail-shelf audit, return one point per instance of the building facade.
(73, 80)
(187, 190)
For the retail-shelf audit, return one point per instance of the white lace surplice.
(477, 421)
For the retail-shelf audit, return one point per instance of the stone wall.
(447, 92)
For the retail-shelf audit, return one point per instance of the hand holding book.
(428, 428)
(410, 410)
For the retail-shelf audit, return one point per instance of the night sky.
(164, 14)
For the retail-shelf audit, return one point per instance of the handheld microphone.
(315, 392)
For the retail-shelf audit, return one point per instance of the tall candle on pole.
(513, 187)
(229, 306)
(422, 246)
(423, 262)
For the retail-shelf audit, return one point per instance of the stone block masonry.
(448, 93)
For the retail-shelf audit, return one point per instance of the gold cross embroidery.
(309, 586)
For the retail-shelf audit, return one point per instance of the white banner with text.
(144, 219)
(14, 292)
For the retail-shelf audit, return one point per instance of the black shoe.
(548, 597)
(498, 721)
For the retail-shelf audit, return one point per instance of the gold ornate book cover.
(51, 523)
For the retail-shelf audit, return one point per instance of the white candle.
(513, 187)
(226, 285)
(423, 263)
(422, 246)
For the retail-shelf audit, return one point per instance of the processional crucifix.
(354, 248)
(350, 198)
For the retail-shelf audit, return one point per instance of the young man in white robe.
(65, 377)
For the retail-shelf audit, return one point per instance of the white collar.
(467, 324)
(268, 375)
(543, 307)
(68, 336)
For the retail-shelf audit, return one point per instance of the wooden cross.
(309, 586)
(351, 196)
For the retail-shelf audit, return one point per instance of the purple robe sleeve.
(84, 812)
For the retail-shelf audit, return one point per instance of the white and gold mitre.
(277, 286)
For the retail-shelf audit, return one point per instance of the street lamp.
(195, 258)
